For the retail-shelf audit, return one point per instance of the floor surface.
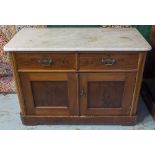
(10, 119)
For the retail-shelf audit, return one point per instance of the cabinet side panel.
(18, 83)
(139, 77)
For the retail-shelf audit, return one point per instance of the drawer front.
(46, 61)
(108, 61)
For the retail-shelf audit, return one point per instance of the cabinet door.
(106, 93)
(50, 93)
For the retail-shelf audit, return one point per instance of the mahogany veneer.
(78, 87)
(93, 61)
(58, 62)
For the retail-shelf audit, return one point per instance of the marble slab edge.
(77, 49)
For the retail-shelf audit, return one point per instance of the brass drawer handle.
(83, 93)
(45, 61)
(108, 61)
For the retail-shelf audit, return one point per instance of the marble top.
(78, 39)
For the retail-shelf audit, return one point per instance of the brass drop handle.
(108, 61)
(45, 61)
(83, 93)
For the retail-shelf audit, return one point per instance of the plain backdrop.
(77, 12)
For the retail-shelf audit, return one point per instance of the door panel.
(58, 93)
(109, 95)
(50, 93)
(106, 93)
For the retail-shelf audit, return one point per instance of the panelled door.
(50, 93)
(106, 93)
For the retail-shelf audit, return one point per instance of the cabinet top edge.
(78, 39)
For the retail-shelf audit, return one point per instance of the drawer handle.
(83, 93)
(45, 61)
(108, 61)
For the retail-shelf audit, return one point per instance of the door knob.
(83, 93)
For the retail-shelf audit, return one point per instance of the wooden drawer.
(108, 61)
(46, 61)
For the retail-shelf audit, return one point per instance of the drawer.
(46, 61)
(108, 61)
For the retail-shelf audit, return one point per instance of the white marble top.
(78, 39)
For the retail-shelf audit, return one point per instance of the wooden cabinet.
(78, 87)
(78, 76)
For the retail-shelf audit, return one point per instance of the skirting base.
(119, 120)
